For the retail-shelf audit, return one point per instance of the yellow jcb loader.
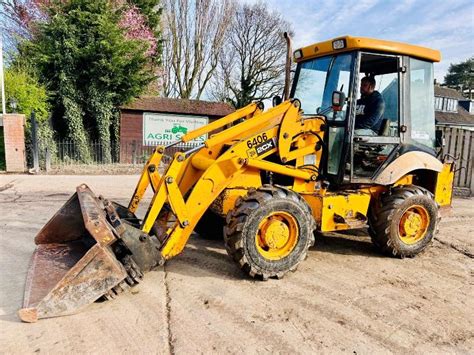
(273, 177)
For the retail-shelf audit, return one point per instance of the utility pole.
(4, 111)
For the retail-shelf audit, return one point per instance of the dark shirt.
(369, 112)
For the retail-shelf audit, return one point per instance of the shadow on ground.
(205, 258)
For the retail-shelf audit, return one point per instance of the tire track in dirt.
(212, 263)
(7, 186)
(197, 262)
(396, 308)
(216, 307)
(456, 248)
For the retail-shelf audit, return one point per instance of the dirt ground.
(345, 298)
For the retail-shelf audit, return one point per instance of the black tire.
(386, 224)
(210, 226)
(243, 223)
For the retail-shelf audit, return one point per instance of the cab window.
(315, 82)
(383, 71)
(317, 79)
(377, 117)
(422, 102)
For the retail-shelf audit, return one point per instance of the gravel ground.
(345, 298)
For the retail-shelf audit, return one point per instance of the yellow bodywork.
(361, 43)
(333, 211)
(149, 176)
(219, 180)
(232, 161)
(444, 185)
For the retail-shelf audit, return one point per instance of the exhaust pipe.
(286, 90)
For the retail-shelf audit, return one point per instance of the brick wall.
(14, 137)
(131, 134)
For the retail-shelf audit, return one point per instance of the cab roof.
(361, 43)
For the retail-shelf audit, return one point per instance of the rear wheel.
(403, 222)
(269, 232)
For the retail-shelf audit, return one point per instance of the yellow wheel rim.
(413, 224)
(277, 235)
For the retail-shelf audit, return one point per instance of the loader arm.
(247, 145)
(150, 174)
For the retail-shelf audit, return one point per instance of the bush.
(30, 96)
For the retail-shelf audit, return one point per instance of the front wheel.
(403, 222)
(269, 232)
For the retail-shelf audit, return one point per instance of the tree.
(18, 15)
(28, 93)
(193, 37)
(252, 64)
(29, 96)
(460, 76)
(151, 10)
(139, 21)
(90, 66)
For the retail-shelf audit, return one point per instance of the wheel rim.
(277, 235)
(414, 224)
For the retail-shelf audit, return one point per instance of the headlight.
(298, 54)
(339, 44)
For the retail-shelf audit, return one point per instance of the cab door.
(315, 81)
(337, 140)
(371, 148)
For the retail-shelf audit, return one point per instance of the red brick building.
(150, 120)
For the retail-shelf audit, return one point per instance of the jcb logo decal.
(265, 147)
(259, 145)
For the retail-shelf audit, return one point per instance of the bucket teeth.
(117, 290)
(135, 275)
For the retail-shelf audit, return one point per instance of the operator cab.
(403, 76)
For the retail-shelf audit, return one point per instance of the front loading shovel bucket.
(73, 264)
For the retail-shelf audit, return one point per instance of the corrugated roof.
(462, 117)
(447, 92)
(183, 106)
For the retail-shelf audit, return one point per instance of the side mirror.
(338, 100)
(276, 101)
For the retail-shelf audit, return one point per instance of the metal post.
(286, 90)
(4, 110)
(48, 160)
(471, 183)
(34, 142)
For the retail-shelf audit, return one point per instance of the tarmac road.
(345, 298)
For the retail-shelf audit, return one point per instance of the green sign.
(161, 128)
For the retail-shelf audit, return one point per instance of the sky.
(446, 25)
